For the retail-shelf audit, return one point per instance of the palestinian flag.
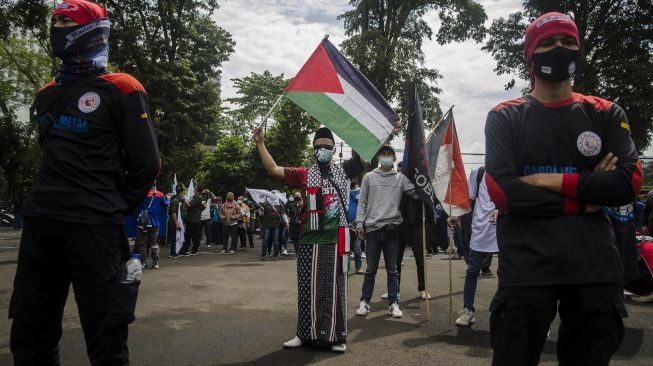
(446, 167)
(335, 93)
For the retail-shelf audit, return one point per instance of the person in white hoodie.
(378, 219)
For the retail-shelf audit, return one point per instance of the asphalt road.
(235, 309)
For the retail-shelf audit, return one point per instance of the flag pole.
(438, 123)
(450, 232)
(426, 298)
(267, 115)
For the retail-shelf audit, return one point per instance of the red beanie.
(81, 11)
(545, 27)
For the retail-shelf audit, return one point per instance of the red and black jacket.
(100, 156)
(542, 236)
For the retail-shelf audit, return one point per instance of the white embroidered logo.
(589, 143)
(89, 102)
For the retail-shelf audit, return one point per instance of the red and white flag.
(446, 167)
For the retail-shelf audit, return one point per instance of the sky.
(280, 35)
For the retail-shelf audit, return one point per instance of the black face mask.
(555, 65)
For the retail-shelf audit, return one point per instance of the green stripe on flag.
(336, 118)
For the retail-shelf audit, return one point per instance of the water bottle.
(132, 270)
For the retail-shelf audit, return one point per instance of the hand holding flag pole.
(449, 180)
(264, 121)
(415, 168)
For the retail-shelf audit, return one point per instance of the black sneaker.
(486, 272)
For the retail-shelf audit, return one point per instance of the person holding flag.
(378, 221)
(418, 214)
(178, 210)
(322, 248)
(553, 158)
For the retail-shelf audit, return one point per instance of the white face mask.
(386, 161)
(240, 202)
(291, 199)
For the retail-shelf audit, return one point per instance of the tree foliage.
(385, 43)
(25, 65)
(176, 50)
(616, 52)
(286, 135)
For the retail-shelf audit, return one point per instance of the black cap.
(324, 133)
(385, 149)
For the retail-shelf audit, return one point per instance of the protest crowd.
(340, 219)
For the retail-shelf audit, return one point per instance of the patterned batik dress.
(321, 277)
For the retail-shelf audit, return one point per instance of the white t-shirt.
(206, 213)
(484, 232)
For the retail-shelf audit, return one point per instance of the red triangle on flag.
(317, 75)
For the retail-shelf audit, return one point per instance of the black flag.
(415, 166)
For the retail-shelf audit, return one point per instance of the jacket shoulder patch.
(516, 101)
(599, 104)
(126, 83)
(50, 84)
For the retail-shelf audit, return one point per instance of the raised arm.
(268, 162)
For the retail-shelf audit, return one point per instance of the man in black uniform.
(99, 159)
(553, 158)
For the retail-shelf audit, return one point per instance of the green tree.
(385, 43)
(229, 168)
(176, 50)
(286, 137)
(648, 174)
(616, 52)
(25, 65)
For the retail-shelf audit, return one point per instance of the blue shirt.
(353, 203)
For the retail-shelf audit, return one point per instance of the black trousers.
(242, 236)
(194, 230)
(412, 233)
(216, 233)
(591, 328)
(250, 234)
(206, 228)
(231, 231)
(53, 255)
(172, 237)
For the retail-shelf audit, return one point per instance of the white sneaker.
(394, 311)
(424, 295)
(285, 252)
(465, 318)
(363, 255)
(642, 298)
(384, 296)
(294, 343)
(363, 309)
(209, 246)
(338, 347)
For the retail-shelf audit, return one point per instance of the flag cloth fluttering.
(260, 195)
(335, 93)
(446, 167)
(191, 190)
(415, 164)
(179, 234)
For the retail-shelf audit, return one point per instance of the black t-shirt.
(542, 237)
(100, 157)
